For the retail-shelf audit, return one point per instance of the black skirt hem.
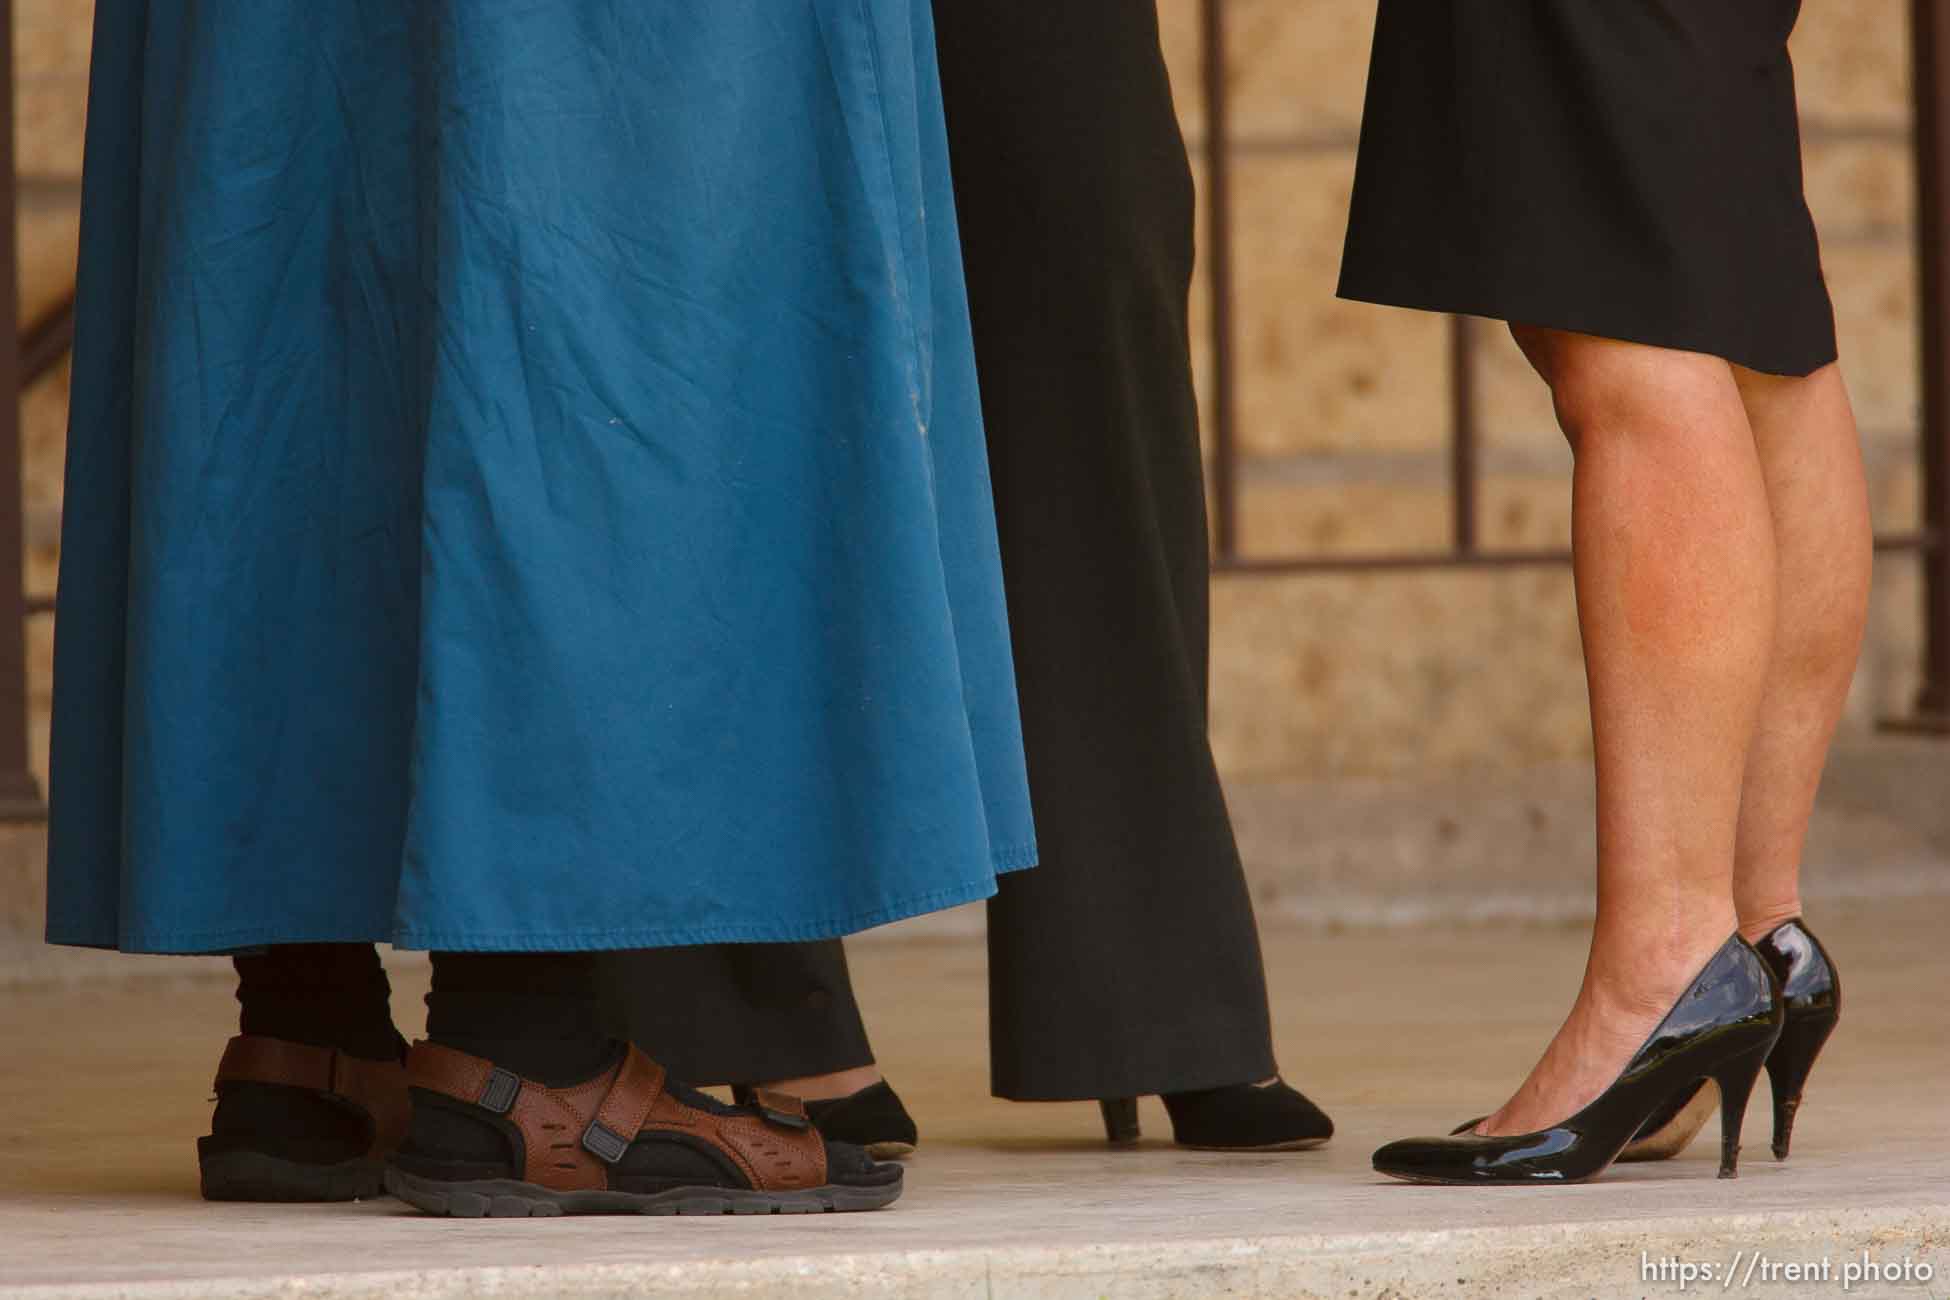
(1556, 317)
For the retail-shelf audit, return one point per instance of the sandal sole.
(254, 1176)
(507, 1198)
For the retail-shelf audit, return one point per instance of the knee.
(1607, 388)
(1573, 377)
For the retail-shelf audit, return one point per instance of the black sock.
(533, 1013)
(325, 994)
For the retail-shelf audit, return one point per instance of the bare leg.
(1812, 460)
(1675, 568)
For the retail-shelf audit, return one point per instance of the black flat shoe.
(873, 1118)
(1238, 1117)
(1811, 991)
(1722, 1028)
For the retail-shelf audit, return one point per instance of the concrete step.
(1393, 1031)
(1893, 1252)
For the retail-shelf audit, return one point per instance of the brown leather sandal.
(371, 1104)
(625, 1142)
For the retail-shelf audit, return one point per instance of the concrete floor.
(1394, 1032)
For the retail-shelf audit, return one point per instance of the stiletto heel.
(1721, 1028)
(1121, 1120)
(1736, 1082)
(1788, 1066)
(1811, 989)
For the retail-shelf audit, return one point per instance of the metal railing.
(40, 348)
(20, 794)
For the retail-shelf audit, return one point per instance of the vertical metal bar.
(1930, 53)
(1218, 270)
(1463, 469)
(20, 795)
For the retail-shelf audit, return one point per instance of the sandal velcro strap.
(377, 1087)
(780, 1108)
(626, 1108)
(572, 1138)
(499, 1092)
(253, 1058)
(462, 1077)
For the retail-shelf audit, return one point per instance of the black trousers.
(1128, 962)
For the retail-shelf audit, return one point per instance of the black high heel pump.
(1238, 1117)
(1811, 991)
(1722, 1028)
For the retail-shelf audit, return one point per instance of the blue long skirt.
(526, 485)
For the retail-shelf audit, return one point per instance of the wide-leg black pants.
(1128, 962)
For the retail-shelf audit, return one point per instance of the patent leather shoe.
(1722, 1029)
(1811, 992)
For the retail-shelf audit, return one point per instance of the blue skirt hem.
(209, 942)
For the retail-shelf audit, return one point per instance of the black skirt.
(1624, 168)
